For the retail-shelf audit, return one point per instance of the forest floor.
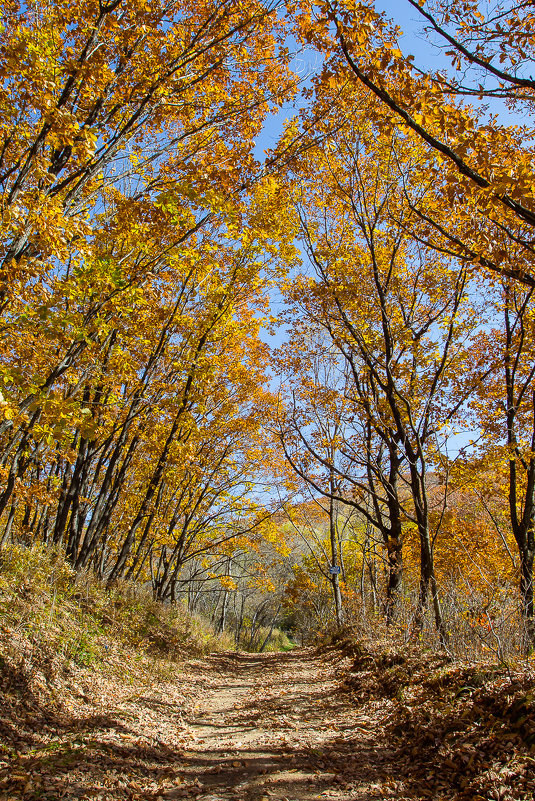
(273, 727)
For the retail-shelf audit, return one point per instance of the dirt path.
(232, 727)
(274, 726)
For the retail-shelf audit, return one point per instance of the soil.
(228, 727)
(275, 726)
(293, 726)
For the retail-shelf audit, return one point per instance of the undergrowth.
(462, 731)
(279, 641)
(53, 621)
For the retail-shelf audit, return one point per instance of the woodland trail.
(229, 727)
(296, 726)
(275, 727)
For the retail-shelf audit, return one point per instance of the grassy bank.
(62, 636)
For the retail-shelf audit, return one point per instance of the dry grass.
(61, 634)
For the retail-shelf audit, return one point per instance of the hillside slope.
(111, 696)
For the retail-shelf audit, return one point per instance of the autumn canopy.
(277, 376)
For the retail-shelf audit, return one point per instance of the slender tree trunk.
(372, 572)
(335, 561)
(240, 622)
(224, 606)
(523, 524)
(268, 637)
(108, 497)
(428, 586)
(526, 594)
(146, 531)
(223, 616)
(394, 548)
(9, 524)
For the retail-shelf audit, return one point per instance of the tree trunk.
(267, 639)
(335, 562)
(394, 548)
(527, 556)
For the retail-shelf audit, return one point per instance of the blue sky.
(308, 61)
(429, 53)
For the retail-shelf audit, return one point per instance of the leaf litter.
(367, 722)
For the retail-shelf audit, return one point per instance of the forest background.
(148, 431)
